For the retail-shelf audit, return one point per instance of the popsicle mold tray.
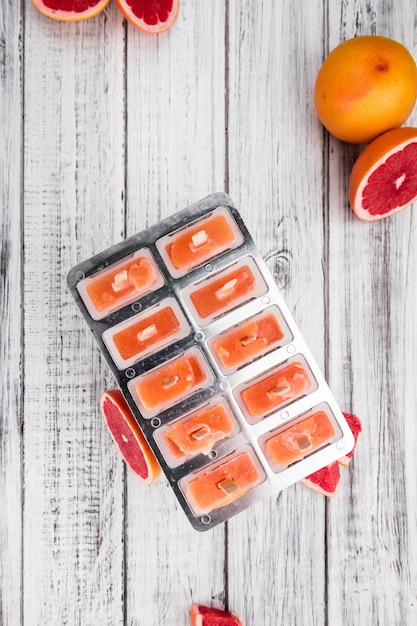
(210, 360)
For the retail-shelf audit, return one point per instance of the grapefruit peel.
(82, 9)
(327, 480)
(206, 616)
(128, 437)
(383, 179)
(150, 16)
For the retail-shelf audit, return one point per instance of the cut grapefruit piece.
(383, 180)
(207, 616)
(325, 481)
(70, 10)
(128, 437)
(151, 16)
(356, 428)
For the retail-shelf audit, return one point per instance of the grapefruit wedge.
(128, 437)
(206, 616)
(383, 180)
(70, 10)
(356, 428)
(325, 481)
(151, 16)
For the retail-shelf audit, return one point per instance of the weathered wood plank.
(175, 148)
(10, 314)
(74, 184)
(277, 550)
(372, 575)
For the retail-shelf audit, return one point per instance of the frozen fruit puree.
(220, 293)
(283, 385)
(170, 382)
(127, 279)
(223, 484)
(249, 339)
(146, 332)
(201, 242)
(199, 433)
(300, 439)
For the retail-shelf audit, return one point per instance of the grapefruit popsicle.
(282, 386)
(198, 433)
(300, 439)
(169, 383)
(200, 241)
(226, 290)
(248, 340)
(120, 284)
(146, 333)
(225, 483)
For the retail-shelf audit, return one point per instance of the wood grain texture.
(107, 130)
(11, 115)
(74, 183)
(175, 155)
(373, 525)
(276, 556)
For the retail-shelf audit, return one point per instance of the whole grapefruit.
(366, 86)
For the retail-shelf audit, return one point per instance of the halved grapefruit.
(206, 616)
(70, 10)
(356, 428)
(325, 481)
(128, 437)
(383, 180)
(151, 16)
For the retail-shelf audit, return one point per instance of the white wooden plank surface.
(10, 314)
(120, 129)
(372, 532)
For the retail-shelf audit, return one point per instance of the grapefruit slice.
(356, 428)
(70, 10)
(383, 180)
(128, 437)
(206, 616)
(151, 16)
(325, 481)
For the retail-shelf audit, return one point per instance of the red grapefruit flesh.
(151, 16)
(70, 10)
(325, 481)
(206, 616)
(356, 427)
(128, 437)
(383, 180)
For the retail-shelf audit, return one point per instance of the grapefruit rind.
(138, 445)
(356, 428)
(139, 23)
(373, 157)
(70, 16)
(206, 616)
